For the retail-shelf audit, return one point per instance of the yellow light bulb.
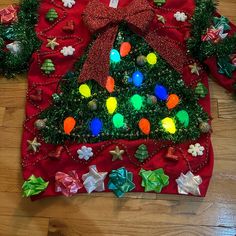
(111, 104)
(169, 125)
(85, 90)
(152, 58)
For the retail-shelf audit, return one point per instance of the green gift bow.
(154, 180)
(225, 67)
(121, 181)
(34, 186)
(221, 21)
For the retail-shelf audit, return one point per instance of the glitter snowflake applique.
(68, 3)
(85, 153)
(180, 16)
(68, 51)
(196, 150)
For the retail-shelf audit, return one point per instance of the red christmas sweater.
(173, 168)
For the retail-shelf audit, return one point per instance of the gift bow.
(8, 14)
(94, 180)
(121, 181)
(33, 186)
(189, 183)
(138, 14)
(105, 21)
(68, 184)
(154, 180)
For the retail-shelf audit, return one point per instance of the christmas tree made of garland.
(145, 97)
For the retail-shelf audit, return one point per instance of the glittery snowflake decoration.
(85, 152)
(68, 3)
(180, 16)
(67, 51)
(196, 149)
(14, 47)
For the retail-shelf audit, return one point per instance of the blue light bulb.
(95, 126)
(137, 78)
(161, 92)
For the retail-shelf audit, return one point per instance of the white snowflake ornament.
(67, 51)
(14, 47)
(180, 16)
(85, 152)
(196, 149)
(68, 3)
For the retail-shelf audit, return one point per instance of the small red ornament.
(37, 96)
(170, 154)
(69, 27)
(56, 154)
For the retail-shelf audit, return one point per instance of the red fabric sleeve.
(211, 62)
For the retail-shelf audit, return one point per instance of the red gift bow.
(68, 184)
(105, 20)
(8, 15)
(212, 34)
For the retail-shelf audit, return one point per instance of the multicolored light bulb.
(111, 104)
(137, 101)
(118, 120)
(169, 125)
(114, 56)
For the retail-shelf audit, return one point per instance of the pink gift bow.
(8, 14)
(68, 184)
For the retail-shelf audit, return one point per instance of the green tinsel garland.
(70, 103)
(24, 32)
(201, 20)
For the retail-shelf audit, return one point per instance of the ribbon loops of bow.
(138, 14)
(99, 18)
(105, 21)
(8, 14)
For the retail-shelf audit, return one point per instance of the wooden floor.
(137, 214)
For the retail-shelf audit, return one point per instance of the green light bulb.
(137, 101)
(118, 120)
(183, 117)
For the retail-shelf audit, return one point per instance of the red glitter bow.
(8, 15)
(105, 20)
